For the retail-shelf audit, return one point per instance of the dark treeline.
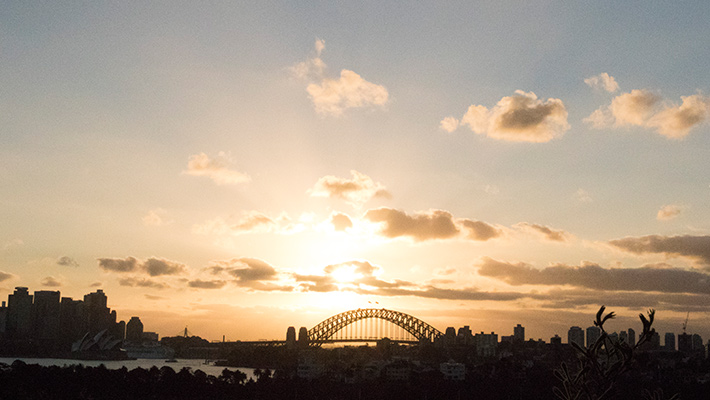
(499, 380)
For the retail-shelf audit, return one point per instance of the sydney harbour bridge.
(361, 325)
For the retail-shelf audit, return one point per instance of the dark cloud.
(479, 230)
(546, 232)
(316, 283)
(141, 282)
(341, 221)
(431, 292)
(51, 281)
(249, 272)
(5, 276)
(435, 224)
(96, 284)
(651, 278)
(200, 284)
(67, 262)
(128, 264)
(158, 266)
(521, 117)
(153, 266)
(696, 247)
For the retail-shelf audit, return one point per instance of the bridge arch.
(414, 326)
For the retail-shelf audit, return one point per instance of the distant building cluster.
(53, 323)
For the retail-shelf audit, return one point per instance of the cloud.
(141, 282)
(248, 272)
(341, 222)
(655, 278)
(153, 297)
(67, 261)
(479, 230)
(431, 292)
(642, 108)
(668, 212)
(676, 121)
(96, 284)
(582, 196)
(312, 68)
(695, 247)
(159, 266)
(152, 266)
(51, 281)
(249, 222)
(216, 169)
(546, 232)
(156, 217)
(128, 264)
(603, 81)
(434, 224)
(5, 276)
(334, 96)
(200, 284)
(12, 243)
(519, 118)
(356, 191)
(449, 124)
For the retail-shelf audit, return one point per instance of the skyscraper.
(519, 334)
(669, 342)
(134, 330)
(593, 333)
(19, 313)
(46, 313)
(575, 335)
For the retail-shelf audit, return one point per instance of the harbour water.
(193, 364)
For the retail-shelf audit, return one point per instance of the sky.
(241, 167)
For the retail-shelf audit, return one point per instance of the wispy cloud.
(67, 261)
(668, 212)
(51, 281)
(521, 117)
(215, 168)
(4, 276)
(545, 231)
(156, 217)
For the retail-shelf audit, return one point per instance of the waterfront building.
(576, 335)
(134, 330)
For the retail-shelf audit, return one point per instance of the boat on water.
(149, 350)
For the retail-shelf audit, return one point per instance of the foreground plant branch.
(602, 363)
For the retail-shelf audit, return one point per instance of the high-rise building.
(19, 313)
(685, 343)
(464, 336)
(72, 319)
(698, 346)
(519, 334)
(575, 335)
(486, 344)
(3, 319)
(46, 313)
(632, 337)
(134, 330)
(98, 315)
(669, 341)
(556, 340)
(450, 336)
(623, 337)
(593, 333)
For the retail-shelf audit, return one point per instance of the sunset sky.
(239, 168)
